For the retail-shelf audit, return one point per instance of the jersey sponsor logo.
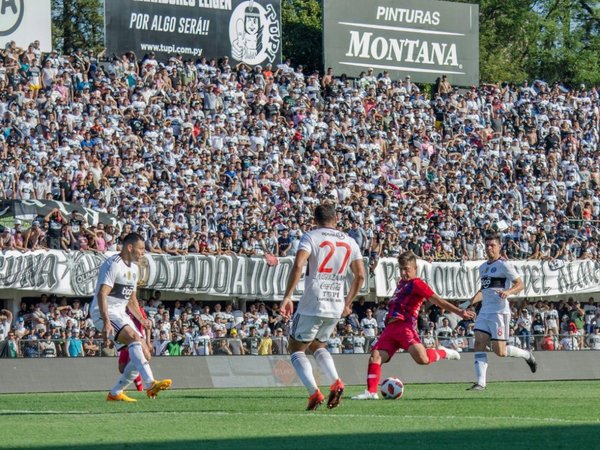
(335, 234)
(121, 291)
(493, 282)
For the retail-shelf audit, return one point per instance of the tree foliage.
(302, 32)
(518, 39)
(77, 24)
(547, 39)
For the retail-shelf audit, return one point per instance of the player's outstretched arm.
(476, 298)
(445, 304)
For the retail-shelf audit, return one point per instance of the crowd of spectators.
(202, 156)
(54, 327)
(205, 157)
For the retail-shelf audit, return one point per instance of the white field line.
(301, 414)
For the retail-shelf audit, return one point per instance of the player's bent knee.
(316, 345)
(378, 357)
(420, 356)
(375, 358)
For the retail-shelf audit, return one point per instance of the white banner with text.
(76, 273)
(460, 280)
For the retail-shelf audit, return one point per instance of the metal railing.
(77, 348)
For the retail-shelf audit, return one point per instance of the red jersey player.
(124, 352)
(401, 321)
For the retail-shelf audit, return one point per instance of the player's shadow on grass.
(236, 396)
(447, 399)
(510, 436)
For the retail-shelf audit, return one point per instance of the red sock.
(138, 383)
(435, 355)
(373, 376)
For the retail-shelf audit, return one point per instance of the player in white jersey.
(499, 280)
(329, 254)
(115, 291)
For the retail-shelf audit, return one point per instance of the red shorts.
(397, 335)
(123, 356)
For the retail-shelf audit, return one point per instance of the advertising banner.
(228, 276)
(51, 271)
(25, 21)
(246, 31)
(76, 273)
(422, 38)
(460, 280)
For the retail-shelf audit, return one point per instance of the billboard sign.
(423, 38)
(25, 22)
(246, 31)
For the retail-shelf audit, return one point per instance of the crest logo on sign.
(84, 272)
(11, 15)
(254, 33)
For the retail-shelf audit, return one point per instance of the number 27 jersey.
(331, 253)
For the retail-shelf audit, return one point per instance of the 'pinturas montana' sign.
(423, 38)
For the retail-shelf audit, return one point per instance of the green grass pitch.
(540, 415)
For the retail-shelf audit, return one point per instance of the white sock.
(516, 352)
(136, 355)
(304, 371)
(326, 365)
(481, 365)
(129, 374)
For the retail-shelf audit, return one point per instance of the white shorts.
(308, 328)
(118, 318)
(497, 325)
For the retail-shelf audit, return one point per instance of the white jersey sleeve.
(495, 277)
(331, 253)
(107, 274)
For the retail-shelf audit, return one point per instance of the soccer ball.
(392, 388)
